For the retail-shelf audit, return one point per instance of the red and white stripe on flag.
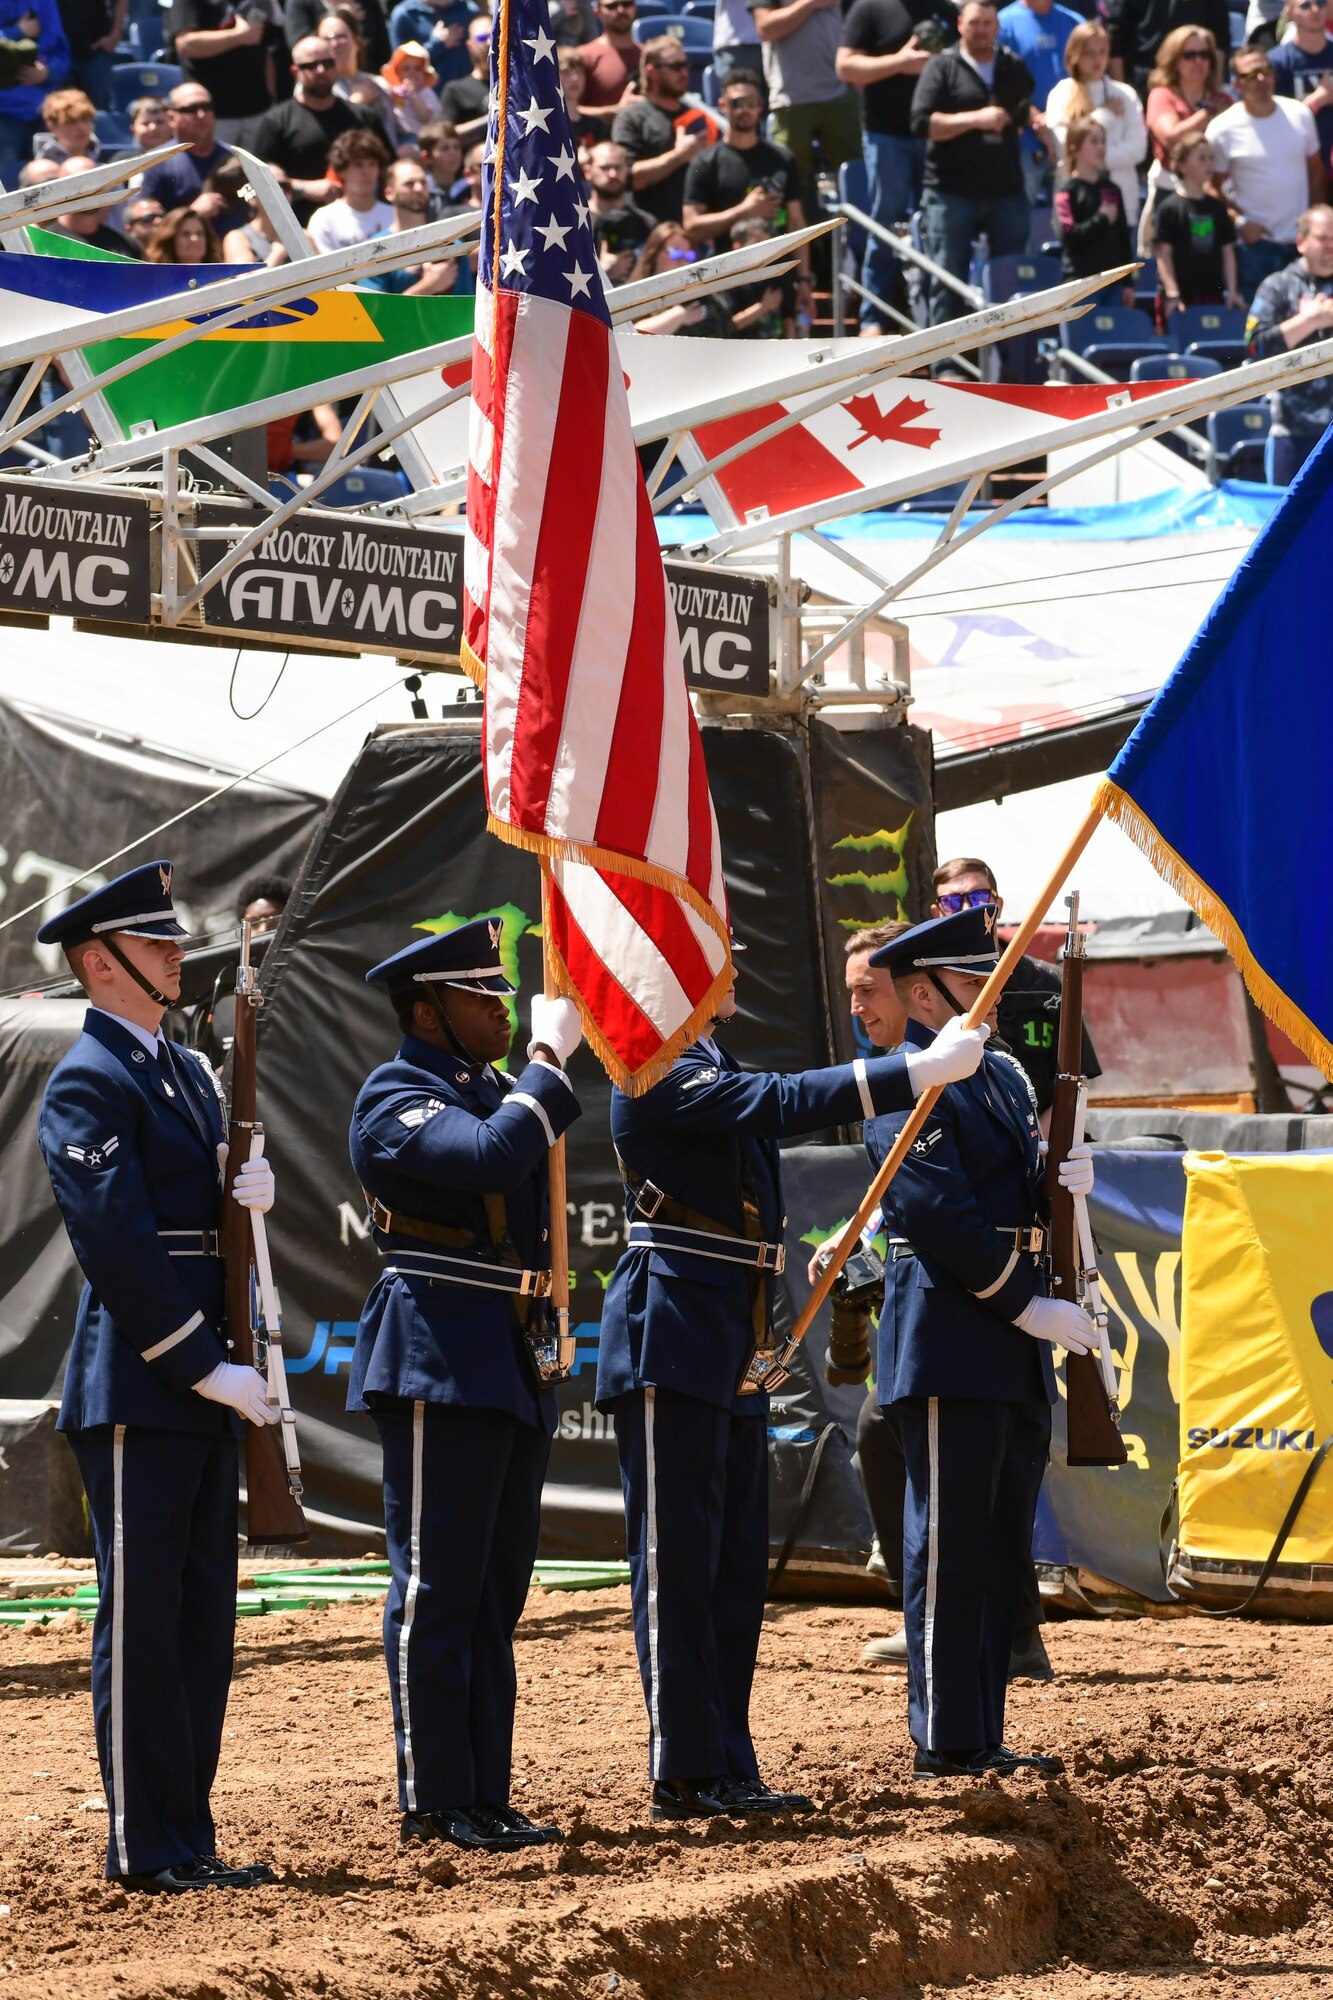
(592, 753)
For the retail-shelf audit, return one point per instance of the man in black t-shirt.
(228, 49)
(744, 178)
(463, 103)
(658, 131)
(296, 136)
(885, 46)
(620, 228)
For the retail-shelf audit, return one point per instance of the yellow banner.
(1256, 1374)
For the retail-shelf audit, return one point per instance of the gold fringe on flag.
(1115, 804)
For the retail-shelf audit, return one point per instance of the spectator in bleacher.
(1140, 30)
(89, 225)
(441, 153)
(1290, 309)
(1195, 237)
(885, 46)
(588, 131)
(1267, 168)
(408, 192)
(1303, 66)
(612, 61)
(184, 237)
(21, 105)
(659, 136)
(573, 23)
(744, 178)
(764, 311)
(1185, 91)
(35, 173)
(179, 181)
(298, 133)
(357, 160)
(149, 124)
(139, 219)
(735, 42)
(1088, 92)
(667, 249)
(302, 18)
(1089, 209)
(463, 102)
(439, 25)
(255, 241)
(352, 81)
(229, 52)
(414, 102)
(808, 100)
(94, 30)
(68, 116)
(620, 227)
(970, 104)
(1038, 31)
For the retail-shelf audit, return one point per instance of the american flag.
(592, 754)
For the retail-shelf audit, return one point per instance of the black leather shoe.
(1028, 1658)
(687, 1798)
(1004, 1760)
(935, 1764)
(244, 1875)
(501, 1821)
(459, 1828)
(743, 1796)
(177, 1880)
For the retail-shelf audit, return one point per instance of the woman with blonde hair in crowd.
(184, 237)
(1088, 92)
(1185, 94)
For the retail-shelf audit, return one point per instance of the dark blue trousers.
(974, 1470)
(462, 1514)
(163, 1509)
(695, 1480)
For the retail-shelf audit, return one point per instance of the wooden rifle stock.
(1092, 1431)
(273, 1514)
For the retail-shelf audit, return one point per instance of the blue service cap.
(961, 943)
(137, 903)
(468, 957)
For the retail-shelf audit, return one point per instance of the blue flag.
(1225, 784)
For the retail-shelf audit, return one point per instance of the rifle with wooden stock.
(1092, 1411)
(254, 1323)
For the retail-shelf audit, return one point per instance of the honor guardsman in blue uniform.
(965, 1354)
(688, 1305)
(449, 1360)
(133, 1134)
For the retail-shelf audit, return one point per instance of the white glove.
(955, 1053)
(1076, 1170)
(254, 1185)
(241, 1389)
(1056, 1320)
(557, 1026)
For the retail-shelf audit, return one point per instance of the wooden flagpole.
(559, 1217)
(925, 1104)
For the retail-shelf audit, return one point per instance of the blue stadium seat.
(1238, 438)
(142, 79)
(1145, 285)
(1113, 338)
(113, 131)
(1005, 278)
(696, 35)
(853, 186)
(1216, 331)
(655, 7)
(364, 488)
(1040, 226)
(1173, 368)
(1236, 19)
(704, 10)
(712, 89)
(143, 38)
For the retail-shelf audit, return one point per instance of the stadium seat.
(1173, 368)
(365, 488)
(1005, 278)
(697, 35)
(1040, 227)
(142, 79)
(1113, 338)
(1145, 285)
(708, 83)
(854, 187)
(1215, 331)
(1236, 19)
(112, 131)
(704, 10)
(1237, 439)
(654, 8)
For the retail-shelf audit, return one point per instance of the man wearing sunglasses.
(297, 135)
(659, 133)
(1268, 169)
(1303, 66)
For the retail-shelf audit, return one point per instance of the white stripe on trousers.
(654, 1716)
(118, 1647)
(410, 1603)
(932, 1559)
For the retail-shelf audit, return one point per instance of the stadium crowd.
(1016, 144)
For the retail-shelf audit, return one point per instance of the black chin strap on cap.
(109, 944)
(940, 987)
(451, 1035)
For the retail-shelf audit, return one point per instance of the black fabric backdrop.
(72, 795)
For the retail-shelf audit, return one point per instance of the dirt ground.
(1185, 1853)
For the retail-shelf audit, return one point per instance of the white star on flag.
(543, 48)
(553, 233)
(524, 189)
(534, 115)
(578, 282)
(563, 163)
(513, 259)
